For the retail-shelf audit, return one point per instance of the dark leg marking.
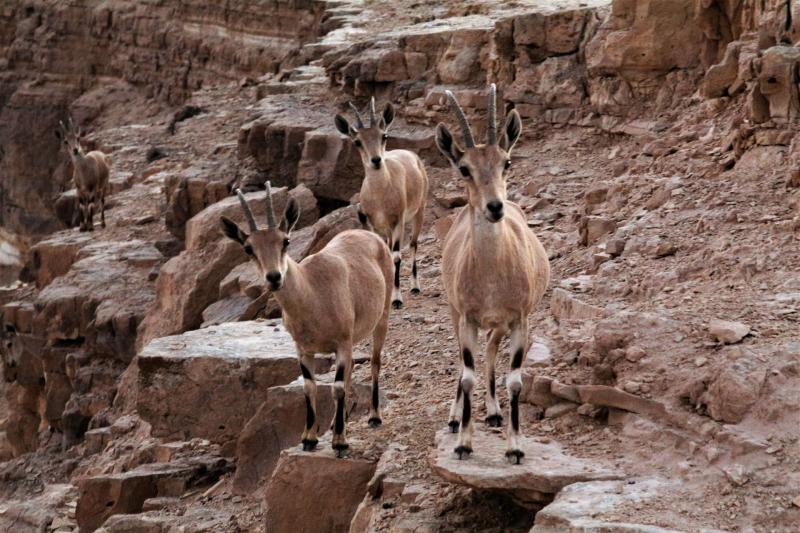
(469, 362)
(463, 451)
(310, 417)
(515, 411)
(339, 373)
(496, 420)
(362, 217)
(397, 273)
(375, 421)
(414, 269)
(516, 362)
(305, 372)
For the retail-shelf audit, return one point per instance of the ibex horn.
(469, 142)
(251, 220)
(271, 224)
(373, 120)
(491, 116)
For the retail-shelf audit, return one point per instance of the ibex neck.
(486, 236)
(376, 174)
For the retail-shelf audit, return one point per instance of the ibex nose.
(376, 162)
(274, 279)
(495, 208)
(75, 150)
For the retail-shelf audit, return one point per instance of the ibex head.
(483, 166)
(71, 137)
(266, 246)
(371, 140)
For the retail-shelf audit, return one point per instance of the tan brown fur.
(90, 173)
(494, 269)
(331, 300)
(394, 190)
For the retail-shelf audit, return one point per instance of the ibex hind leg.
(493, 416)
(397, 246)
(416, 228)
(378, 339)
(341, 385)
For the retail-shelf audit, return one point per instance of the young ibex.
(90, 174)
(494, 268)
(330, 301)
(394, 190)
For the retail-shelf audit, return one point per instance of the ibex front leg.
(519, 346)
(341, 386)
(468, 339)
(310, 438)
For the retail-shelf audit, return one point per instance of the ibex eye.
(285, 243)
(248, 249)
(357, 142)
(464, 171)
(508, 164)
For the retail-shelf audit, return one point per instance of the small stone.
(700, 361)
(615, 247)
(728, 332)
(796, 501)
(632, 387)
(634, 353)
(560, 409)
(665, 249)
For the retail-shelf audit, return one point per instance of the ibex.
(330, 301)
(394, 190)
(494, 268)
(90, 174)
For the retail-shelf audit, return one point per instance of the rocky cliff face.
(52, 52)
(659, 166)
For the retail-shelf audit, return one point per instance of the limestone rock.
(545, 470)
(736, 388)
(728, 332)
(582, 507)
(565, 306)
(204, 228)
(105, 495)
(278, 424)
(208, 383)
(320, 473)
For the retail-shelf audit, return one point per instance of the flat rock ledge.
(603, 506)
(545, 470)
(208, 383)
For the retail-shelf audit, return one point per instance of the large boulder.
(278, 424)
(204, 228)
(208, 383)
(321, 473)
(777, 81)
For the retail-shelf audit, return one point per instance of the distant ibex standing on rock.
(494, 268)
(330, 301)
(394, 190)
(90, 174)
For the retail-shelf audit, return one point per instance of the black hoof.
(374, 422)
(515, 456)
(454, 426)
(397, 304)
(414, 291)
(309, 445)
(341, 449)
(463, 452)
(494, 421)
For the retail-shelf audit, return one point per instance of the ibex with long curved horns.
(330, 301)
(394, 190)
(495, 270)
(90, 174)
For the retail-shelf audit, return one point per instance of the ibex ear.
(290, 216)
(343, 126)
(387, 116)
(232, 230)
(447, 145)
(511, 131)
